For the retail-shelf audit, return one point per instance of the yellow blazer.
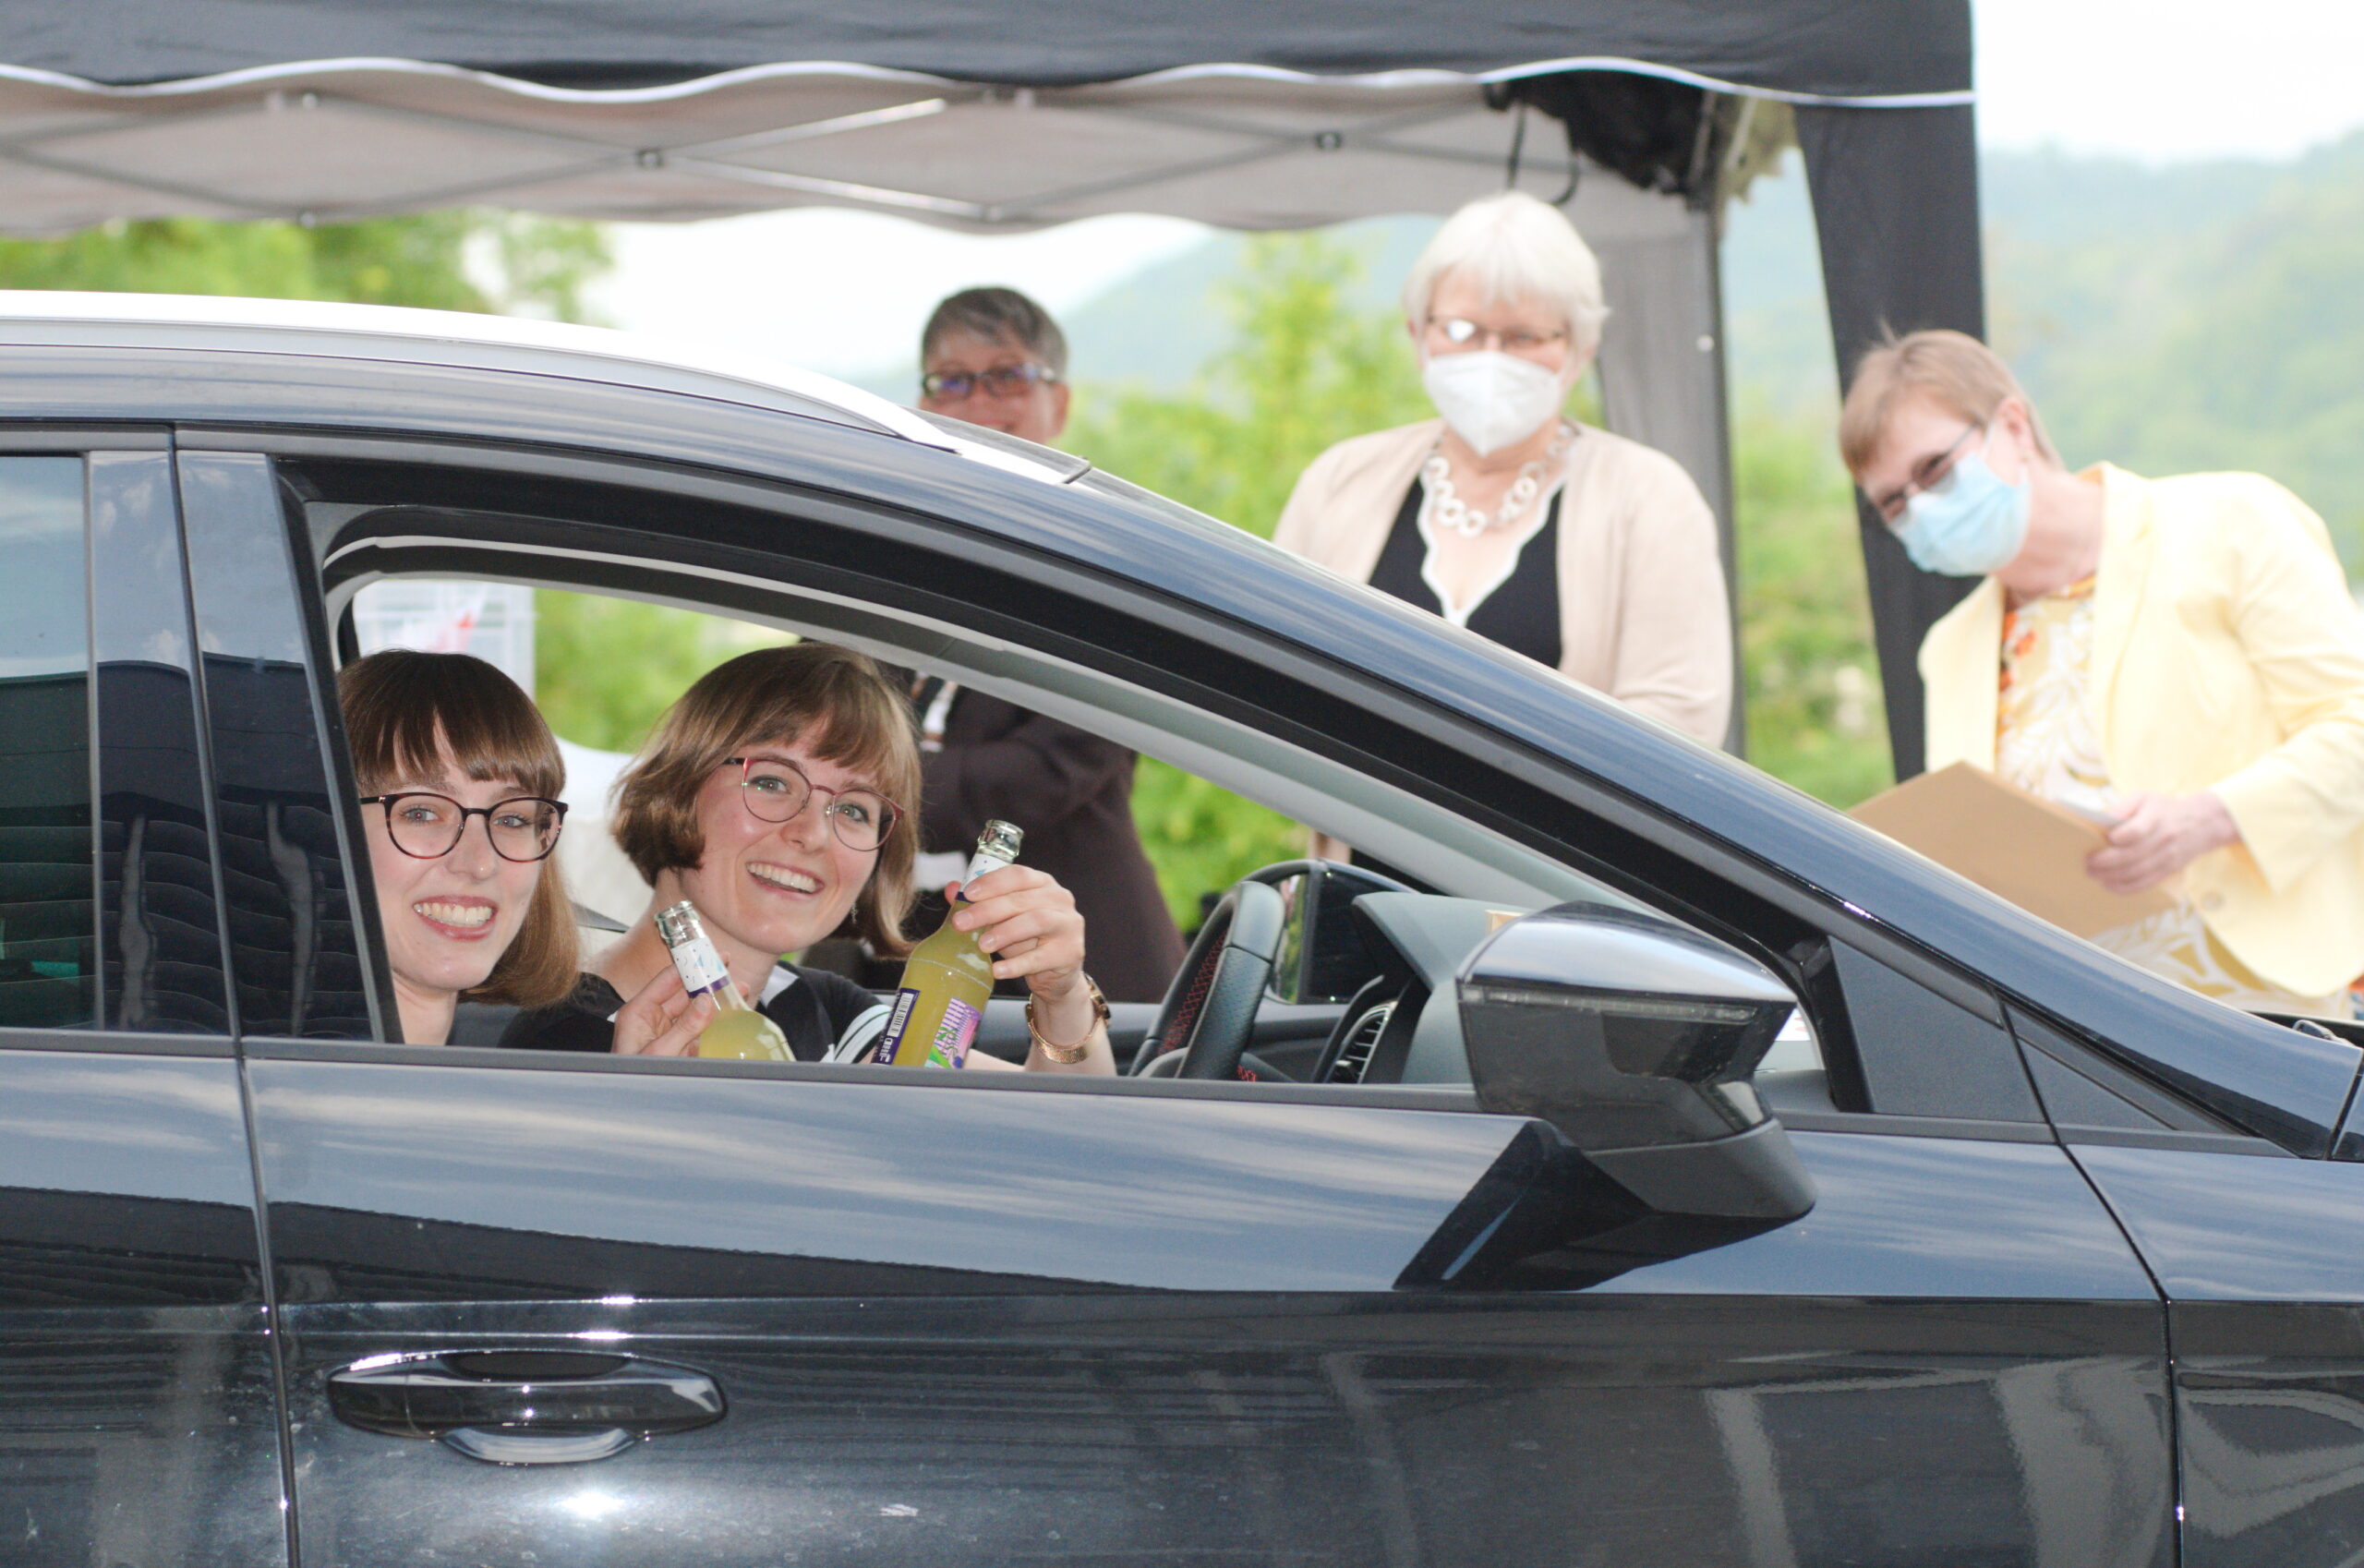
(2228, 657)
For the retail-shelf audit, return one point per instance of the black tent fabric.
(1896, 205)
(1870, 50)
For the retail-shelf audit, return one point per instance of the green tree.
(1309, 366)
(456, 261)
(606, 669)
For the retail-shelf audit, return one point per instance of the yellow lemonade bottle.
(941, 999)
(736, 1029)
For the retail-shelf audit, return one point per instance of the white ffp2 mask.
(1492, 399)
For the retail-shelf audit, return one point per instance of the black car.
(1678, 1175)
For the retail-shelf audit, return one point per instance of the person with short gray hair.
(994, 357)
(1583, 550)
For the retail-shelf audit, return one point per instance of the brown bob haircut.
(832, 700)
(404, 710)
(1955, 370)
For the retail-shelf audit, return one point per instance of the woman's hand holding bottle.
(662, 1018)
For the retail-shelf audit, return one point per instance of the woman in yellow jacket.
(2180, 654)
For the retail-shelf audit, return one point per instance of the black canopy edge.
(646, 84)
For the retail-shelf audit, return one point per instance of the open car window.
(1384, 1014)
(374, 538)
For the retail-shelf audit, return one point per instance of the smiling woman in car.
(460, 779)
(778, 796)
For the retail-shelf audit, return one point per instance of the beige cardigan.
(1643, 611)
(2227, 657)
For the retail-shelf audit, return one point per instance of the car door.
(627, 1312)
(137, 1420)
(2261, 1257)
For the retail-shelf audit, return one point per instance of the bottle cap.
(1000, 839)
(679, 924)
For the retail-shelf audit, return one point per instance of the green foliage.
(528, 266)
(1201, 838)
(1812, 678)
(605, 670)
(1309, 366)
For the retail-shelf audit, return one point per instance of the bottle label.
(701, 968)
(980, 863)
(954, 1035)
(891, 1037)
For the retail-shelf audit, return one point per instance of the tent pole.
(1896, 206)
(1661, 366)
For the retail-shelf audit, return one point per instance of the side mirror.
(1637, 1039)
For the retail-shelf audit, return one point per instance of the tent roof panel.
(1242, 151)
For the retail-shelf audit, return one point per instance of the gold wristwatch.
(1067, 1055)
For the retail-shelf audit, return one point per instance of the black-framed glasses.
(427, 826)
(1928, 475)
(776, 789)
(1007, 381)
(1462, 333)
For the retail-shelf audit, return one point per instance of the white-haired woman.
(1585, 551)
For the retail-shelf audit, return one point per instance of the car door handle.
(525, 1407)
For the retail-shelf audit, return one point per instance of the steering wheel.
(1209, 1009)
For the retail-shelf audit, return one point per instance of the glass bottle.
(736, 1029)
(941, 999)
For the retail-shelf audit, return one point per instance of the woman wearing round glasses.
(776, 797)
(1585, 551)
(461, 818)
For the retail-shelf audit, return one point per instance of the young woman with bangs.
(778, 797)
(460, 780)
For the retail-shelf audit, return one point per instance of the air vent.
(1354, 1056)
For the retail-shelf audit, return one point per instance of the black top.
(1522, 613)
(812, 1014)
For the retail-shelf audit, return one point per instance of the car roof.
(322, 329)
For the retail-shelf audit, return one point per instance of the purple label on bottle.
(953, 1036)
(891, 1037)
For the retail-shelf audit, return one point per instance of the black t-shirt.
(813, 1011)
(1522, 613)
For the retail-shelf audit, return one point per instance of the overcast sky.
(2158, 80)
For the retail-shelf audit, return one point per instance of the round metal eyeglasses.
(776, 791)
(1007, 380)
(1928, 475)
(427, 826)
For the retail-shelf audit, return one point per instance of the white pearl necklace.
(1448, 509)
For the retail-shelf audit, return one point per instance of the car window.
(383, 529)
(48, 944)
(602, 669)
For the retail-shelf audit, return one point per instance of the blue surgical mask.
(1967, 524)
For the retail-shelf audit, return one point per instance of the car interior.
(1356, 983)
